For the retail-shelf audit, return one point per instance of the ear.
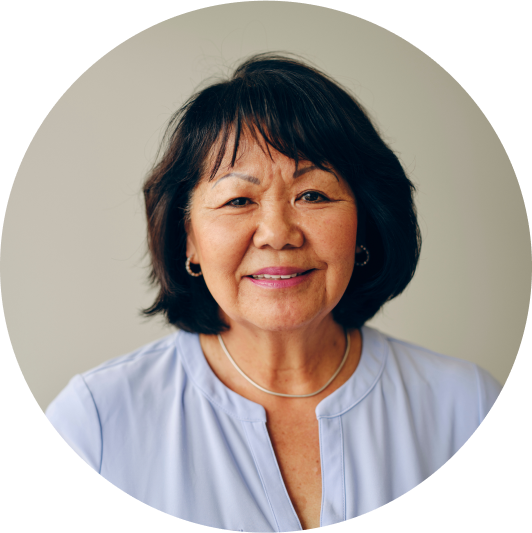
(191, 248)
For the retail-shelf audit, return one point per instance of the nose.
(278, 229)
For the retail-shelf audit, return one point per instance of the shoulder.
(149, 363)
(114, 390)
(429, 374)
(143, 355)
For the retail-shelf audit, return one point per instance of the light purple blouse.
(162, 427)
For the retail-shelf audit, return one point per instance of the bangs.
(290, 113)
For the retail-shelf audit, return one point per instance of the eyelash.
(323, 199)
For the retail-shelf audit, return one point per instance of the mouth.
(278, 276)
(280, 280)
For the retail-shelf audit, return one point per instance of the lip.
(279, 271)
(281, 283)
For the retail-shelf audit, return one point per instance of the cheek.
(222, 245)
(335, 240)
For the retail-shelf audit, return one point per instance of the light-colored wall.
(73, 271)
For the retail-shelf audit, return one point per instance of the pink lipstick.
(279, 277)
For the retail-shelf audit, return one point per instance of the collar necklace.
(344, 359)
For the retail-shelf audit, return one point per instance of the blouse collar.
(368, 372)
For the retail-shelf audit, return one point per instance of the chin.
(280, 314)
(283, 321)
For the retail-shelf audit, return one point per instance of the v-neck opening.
(328, 414)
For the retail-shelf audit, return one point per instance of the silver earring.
(189, 270)
(365, 262)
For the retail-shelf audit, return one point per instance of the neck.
(291, 362)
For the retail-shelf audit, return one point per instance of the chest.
(295, 440)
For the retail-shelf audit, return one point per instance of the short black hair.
(305, 115)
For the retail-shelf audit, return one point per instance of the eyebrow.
(256, 181)
(246, 177)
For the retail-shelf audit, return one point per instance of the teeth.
(270, 276)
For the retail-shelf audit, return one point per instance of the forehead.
(250, 152)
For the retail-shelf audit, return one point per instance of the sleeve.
(75, 416)
(488, 391)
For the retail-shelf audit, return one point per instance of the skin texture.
(263, 213)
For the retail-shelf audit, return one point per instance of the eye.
(239, 202)
(313, 197)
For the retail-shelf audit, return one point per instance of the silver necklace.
(344, 359)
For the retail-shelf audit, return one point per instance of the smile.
(280, 281)
(272, 276)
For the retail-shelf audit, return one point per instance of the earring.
(189, 270)
(365, 262)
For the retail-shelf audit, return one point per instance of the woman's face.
(261, 218)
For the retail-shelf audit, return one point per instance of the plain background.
(73, 271)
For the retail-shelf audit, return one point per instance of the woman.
(279, 222)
